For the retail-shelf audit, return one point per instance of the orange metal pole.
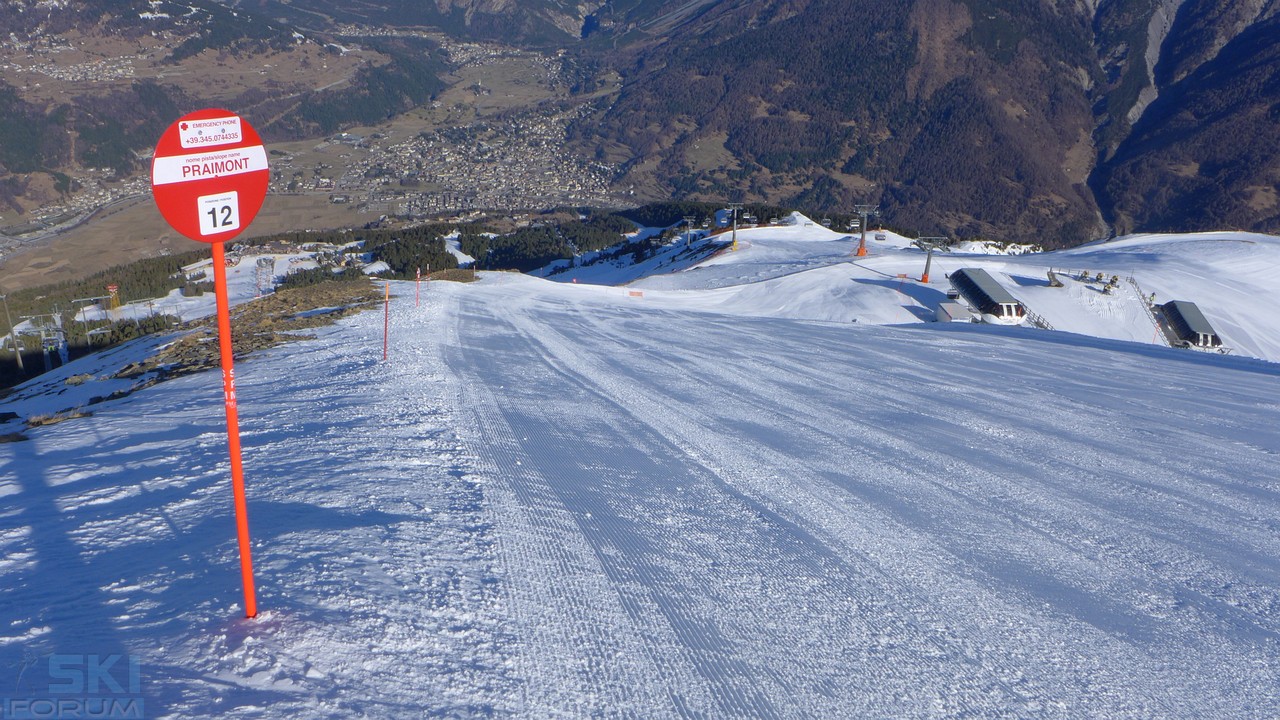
(386, 322)
(233, 427)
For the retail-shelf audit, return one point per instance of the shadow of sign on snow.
(112, 567)
(55, 601)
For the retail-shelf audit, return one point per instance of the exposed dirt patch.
(278, 318)
(55, 418)
(264, 323)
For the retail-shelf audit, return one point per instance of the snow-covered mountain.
(703, 493)
(801, 270)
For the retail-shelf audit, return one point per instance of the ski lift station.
(1188, 326)
(988, 297)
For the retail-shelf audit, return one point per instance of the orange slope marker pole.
(233, 427)
(386, 322)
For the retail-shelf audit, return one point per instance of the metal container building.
(1190, 326)
(987, 296)
(954, 312)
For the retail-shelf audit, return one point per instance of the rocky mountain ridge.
(1058, 121)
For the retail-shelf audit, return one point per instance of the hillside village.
(517, 164)
(515, 160)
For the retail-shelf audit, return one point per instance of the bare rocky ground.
(281, 317)
(269, 321)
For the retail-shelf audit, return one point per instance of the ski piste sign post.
(209, 177)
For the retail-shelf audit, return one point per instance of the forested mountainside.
(1005, 117)
(1010, 118)
(1205, 151)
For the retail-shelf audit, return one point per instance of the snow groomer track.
(754, 517)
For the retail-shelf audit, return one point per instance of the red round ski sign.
(209, 175)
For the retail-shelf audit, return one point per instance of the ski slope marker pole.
(417, 290)
(386, 322)
(214, 207)
(233, 428)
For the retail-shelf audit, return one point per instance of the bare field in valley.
(137, 231)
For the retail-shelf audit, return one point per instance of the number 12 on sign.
(219, 213)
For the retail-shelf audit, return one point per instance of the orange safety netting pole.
(233, 427)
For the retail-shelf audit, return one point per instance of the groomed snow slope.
(805, 271)
(566, 500)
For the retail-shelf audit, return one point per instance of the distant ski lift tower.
(84, 304)
(265, 271)
(52, 337)
(733, 211)
(928, 245)
(688, 229)
(864, 211)
(57, 342)
(48, 344)
(13, 335)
